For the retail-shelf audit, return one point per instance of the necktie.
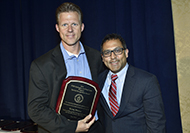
(112, 95)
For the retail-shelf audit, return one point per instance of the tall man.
(131, 100)
(69, 58)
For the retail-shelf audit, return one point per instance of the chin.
(114, 70)
(70, 43)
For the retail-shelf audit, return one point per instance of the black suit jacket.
(46, 76)
(141, 108)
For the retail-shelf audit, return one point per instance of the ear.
(102, 57)
(57, 27)
(82, 27)
(126, 53)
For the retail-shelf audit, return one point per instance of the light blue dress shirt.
(119, 82)
(76, 65)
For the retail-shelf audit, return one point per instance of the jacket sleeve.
(39, 98)
(153, 107)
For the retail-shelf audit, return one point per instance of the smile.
(70, 36)
(114, 62)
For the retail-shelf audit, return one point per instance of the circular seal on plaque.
(78, 98)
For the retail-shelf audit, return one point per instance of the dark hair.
(113, 36)
(69, 7)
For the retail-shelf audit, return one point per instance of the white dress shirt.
(119, 82)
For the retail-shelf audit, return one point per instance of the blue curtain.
(27, 30)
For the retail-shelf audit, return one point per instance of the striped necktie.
(112, 95)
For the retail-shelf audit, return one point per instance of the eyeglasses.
(116, 51)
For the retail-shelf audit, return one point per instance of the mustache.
(114, 60)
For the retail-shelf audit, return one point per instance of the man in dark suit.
(69, 58)
(131, 100)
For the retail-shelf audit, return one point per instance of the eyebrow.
(112, 49)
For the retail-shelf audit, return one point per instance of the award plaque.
(78, 98)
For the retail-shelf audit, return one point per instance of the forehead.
(66, 16)
(112, 44)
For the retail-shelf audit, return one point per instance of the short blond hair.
(69, 7)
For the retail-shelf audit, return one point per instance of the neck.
(74, 49)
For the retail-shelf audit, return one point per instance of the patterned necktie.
(112, 95)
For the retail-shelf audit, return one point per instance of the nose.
(70, 28)
(112, 55)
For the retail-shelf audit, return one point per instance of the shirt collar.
(119, 74)
(67, 55)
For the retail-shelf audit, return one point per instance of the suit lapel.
(88, 55)
(105, 106)
(91, 63)
(127, 89)
(60, 69)
(59, 74)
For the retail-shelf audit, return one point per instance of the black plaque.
(78, 98)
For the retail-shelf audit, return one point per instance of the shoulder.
(144, 80)
(103, 75)
(90, 49)
(47, 57)
(93, 55)
(105, 72)
(141, 76)
(134, 71)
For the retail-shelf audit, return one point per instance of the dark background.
(27, 30)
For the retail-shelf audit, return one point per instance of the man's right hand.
(83, 125)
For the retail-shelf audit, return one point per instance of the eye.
(64, 25)
(74, 24)
(107, 52)
(118, 50)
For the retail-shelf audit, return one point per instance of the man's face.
(69, 28)
(114, 62)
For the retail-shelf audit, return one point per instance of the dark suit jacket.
(141, 108)
(46, 76)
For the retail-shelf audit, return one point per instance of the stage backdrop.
(27, 30)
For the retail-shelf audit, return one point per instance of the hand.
(83, 126)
